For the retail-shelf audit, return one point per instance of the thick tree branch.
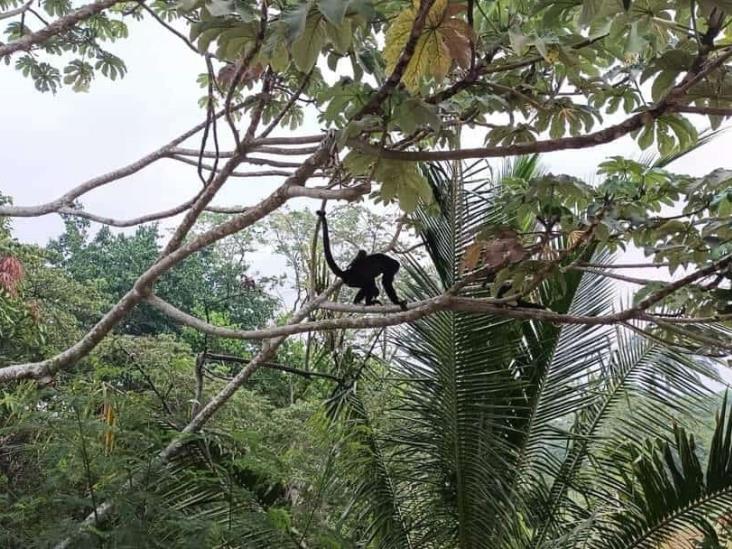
(143, 285)
(485, 67)
(59, 26)
(181, 152)
(112, 222)
(348, 194)
(262, 173)
(445, 302)
(296, 140)
(600, 137)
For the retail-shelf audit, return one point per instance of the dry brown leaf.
(227, 73)
(472, 256)
(506, 247)
(548, 253)
(455, 9)
(575, 237)
(458, 43)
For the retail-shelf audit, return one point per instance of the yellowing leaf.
(443, 40)
(397, 36)
(436, 11)
(437, 54)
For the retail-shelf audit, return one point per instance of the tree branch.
(600, 137)
(263, 173)
(175, 254)
(68, 198)
(59, 26)
(714, 111)
(179, 151)
(273, 366)
(395, 77)
(446, 301)
(16, 11)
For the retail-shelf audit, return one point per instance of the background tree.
(533, 77)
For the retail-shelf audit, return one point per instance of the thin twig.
(17, 11)
(169, 27)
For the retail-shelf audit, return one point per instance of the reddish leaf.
(11, 274)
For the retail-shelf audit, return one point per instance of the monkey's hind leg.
(372, 292)
(359, 296)
(387, 280)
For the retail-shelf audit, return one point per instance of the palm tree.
(517, 434)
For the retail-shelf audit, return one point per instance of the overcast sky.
(50, 143)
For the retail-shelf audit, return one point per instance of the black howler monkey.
(363, 272)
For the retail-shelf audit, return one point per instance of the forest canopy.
(157, 391)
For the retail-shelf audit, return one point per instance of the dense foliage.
(156, 392)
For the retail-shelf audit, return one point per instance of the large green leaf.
(306, 48)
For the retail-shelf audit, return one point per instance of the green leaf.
(408, 199)
(663, 82)
(220, 7)
(340, 36)
(306, 48)
(635, 42)
(413, 113)
(294, 21)
(645, 139)
(232, 43)
(678, 60)
(333, 10)
(519, 41)
(357, 163)
(280, 57)
(590, 10)
(540, 45)
(557, 127)
(206, 37)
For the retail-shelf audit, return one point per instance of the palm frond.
(376, 504)
(674, 499)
